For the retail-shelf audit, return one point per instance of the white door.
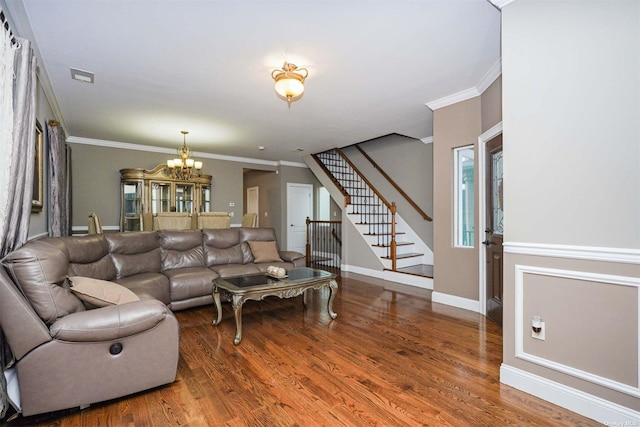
(299, 207)
(252, 203)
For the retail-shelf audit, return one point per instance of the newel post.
(393, 236)
(308, 246)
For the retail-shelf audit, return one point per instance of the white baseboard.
(456, 301)
(585, 404)
(408, 279)
(390, 276)
(362, 270)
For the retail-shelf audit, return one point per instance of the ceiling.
(162, 66)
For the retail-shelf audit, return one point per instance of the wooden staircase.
(374, 217)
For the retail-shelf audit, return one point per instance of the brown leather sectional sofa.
(68, 354)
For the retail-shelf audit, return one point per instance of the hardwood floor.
(391, 358)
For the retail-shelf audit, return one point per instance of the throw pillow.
(264, 251)
(100, 293)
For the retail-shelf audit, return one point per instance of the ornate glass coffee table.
(259, 286)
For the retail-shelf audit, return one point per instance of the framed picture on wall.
(38, 171)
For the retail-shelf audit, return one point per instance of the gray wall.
(572, 197)
(96, 181)
(409, 163)
(455, 269)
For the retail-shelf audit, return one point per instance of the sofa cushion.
(39, 268)
(148, 285)
(186, 283)
(100, 293)
(221, 238)
(254, 234)
(134, 253)
(232, 255)
(132, 243)
(89, 256)
(181, 249)
(231, 270)
(261, 234)
(264, 251)
(222, 246)
(130, 265)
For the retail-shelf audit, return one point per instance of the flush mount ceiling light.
(290, 81)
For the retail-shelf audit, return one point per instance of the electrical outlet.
(539, 335)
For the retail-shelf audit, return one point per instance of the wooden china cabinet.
(154, 191)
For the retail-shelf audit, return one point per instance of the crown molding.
(500, 3)
(164, 150)
(453, 99)
(292, 164)
(490, 76)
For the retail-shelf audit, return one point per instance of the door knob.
(488, 242)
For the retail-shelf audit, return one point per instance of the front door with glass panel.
(494, 233)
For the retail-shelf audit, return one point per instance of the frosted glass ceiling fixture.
(290, 81)
(184, 167)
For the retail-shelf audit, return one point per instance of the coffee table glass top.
(261, 280)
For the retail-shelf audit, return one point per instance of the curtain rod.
(5, 24)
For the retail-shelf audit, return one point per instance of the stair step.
(397, 244)
(383, 234)
(422, 270)
(404, 256)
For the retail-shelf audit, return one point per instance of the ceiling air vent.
(82, 76)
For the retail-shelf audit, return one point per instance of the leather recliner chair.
(67, 356)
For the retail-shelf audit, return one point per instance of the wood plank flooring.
(391, 358)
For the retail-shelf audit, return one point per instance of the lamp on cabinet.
(183, 167)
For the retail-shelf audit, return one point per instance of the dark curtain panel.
(16, 224)
(59, 182)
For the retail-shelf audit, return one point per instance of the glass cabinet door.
(184, 198)
(160, 197)
(132, 205)
(205, 199)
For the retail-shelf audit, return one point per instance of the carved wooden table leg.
(216, 299)
(238, 300)
(333, 289)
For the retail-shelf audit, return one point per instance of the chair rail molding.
(592, 253)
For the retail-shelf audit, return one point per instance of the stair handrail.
(364, 178)
(396, 186)
(345, 194)
(391, 206)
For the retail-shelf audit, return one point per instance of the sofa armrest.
(290, 256)
(109, 323)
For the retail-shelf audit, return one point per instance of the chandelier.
(183, 167)
(290, 81)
